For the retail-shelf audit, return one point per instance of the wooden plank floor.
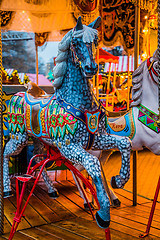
(65, 218)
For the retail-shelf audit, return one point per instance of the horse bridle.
(74, 54)
(151, 69)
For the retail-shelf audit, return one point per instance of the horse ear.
(79, 25)
(95, 24)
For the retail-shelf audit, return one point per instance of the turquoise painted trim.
(126, 132)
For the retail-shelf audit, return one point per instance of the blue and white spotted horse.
(71, 119)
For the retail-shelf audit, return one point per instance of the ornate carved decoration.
(87, 9)
(119, 24)
(41, 38)
(37, 2)
(6, 17)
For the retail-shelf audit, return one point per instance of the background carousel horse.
(71, 119)
(139, 124)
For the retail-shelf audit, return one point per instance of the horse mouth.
(89, 74)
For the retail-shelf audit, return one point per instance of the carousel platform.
(65, 217)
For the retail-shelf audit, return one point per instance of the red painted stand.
(143, 235)
(52, 155)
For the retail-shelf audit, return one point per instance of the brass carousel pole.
(128, 84)
(1, 142)
(136, 56)
(136, 36)
(158, 122)
(37, 64)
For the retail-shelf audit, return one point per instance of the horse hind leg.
(13, 147)
(38, 149)
(52, 191)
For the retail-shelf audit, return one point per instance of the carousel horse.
(140, 122)
(71, 119)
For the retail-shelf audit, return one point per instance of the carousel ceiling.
(51, 18)
(46, 15)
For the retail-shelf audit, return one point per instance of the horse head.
(84, 41)
(145, 82)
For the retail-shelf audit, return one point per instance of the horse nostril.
(87, 68)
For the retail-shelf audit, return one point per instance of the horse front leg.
(77, 154)
(123, 144)
(113, 198)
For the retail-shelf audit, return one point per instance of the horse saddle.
(36, 101)
(123, 126)
(117, 124)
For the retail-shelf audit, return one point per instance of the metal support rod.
(136, 36)
(128, 84)
(153, 207)
(1, 142)
(135, 157)
(152, 211)
(136, 56)
(108, 86)
(37, 65)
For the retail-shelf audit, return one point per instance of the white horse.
(140, 123)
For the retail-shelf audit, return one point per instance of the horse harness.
(151, 69)
(90, 119)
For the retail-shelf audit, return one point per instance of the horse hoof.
(116, 203)
(54, 194)
(7, 194)
(113, 183)
(101, 223)
(86, 207)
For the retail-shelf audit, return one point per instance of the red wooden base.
(107, 233)
(52, 155)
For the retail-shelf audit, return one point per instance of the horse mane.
(137, 78)
(88, 35)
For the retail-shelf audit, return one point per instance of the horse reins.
(151, 69)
